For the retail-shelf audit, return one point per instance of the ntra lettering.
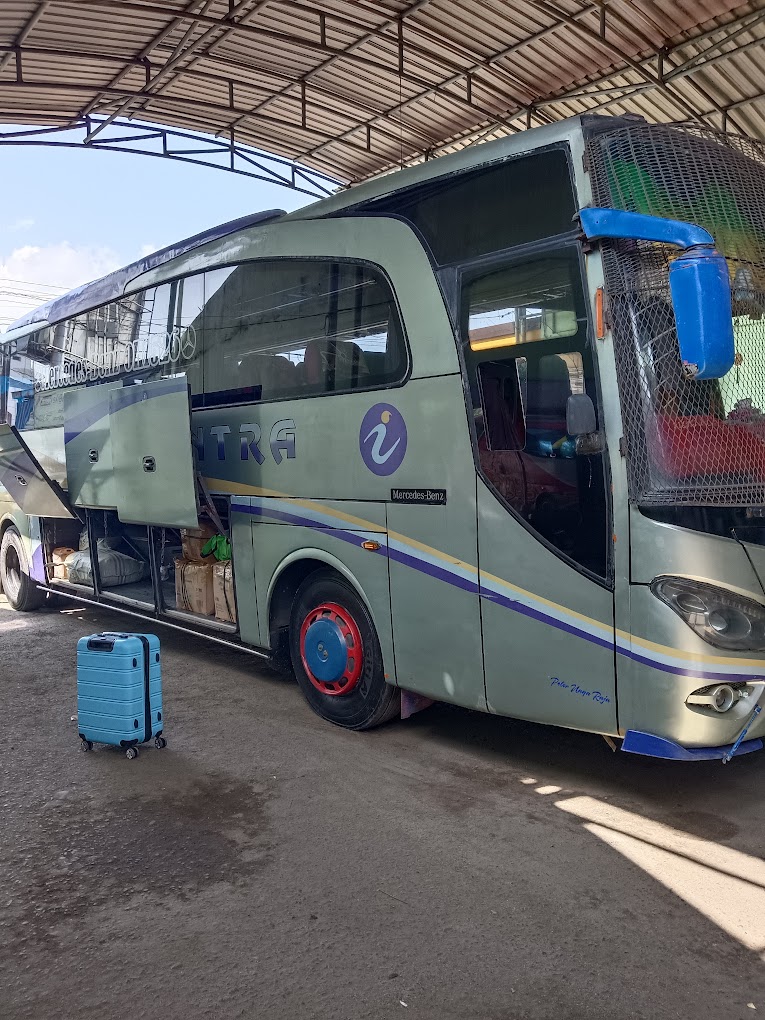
(281, 441)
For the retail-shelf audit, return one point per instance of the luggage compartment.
(158, 570)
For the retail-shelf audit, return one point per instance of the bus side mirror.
(580, 415)
(582, 424)
(701, 298)
(698, 281)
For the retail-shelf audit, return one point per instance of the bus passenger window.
(526, 354)
(295, 327)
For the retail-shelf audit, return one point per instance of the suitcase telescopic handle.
(100, 644)
(104, 642)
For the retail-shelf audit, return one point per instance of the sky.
(69, 215)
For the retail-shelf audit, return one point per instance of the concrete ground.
(270, 865)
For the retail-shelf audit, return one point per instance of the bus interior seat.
(280, 377)
(332, 364)
(276, 375)
(377, 364)
(548, 393)
(503, 410)
(504, 434)
(555, 383)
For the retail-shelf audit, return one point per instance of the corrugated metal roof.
(353, 88)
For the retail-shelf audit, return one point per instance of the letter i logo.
(382, 439)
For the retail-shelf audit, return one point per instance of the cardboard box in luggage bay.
(193, 539)
(60, 569)
(223, 592)
(194, 587)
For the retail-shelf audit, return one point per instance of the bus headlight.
(718, 616)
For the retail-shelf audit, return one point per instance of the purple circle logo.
(382, 439)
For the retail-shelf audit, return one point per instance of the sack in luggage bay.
(223, 592)
(114, 567)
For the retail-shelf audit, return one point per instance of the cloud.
(21, 224)
(31, 275)
(149, 249)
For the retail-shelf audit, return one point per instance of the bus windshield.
(689, 441)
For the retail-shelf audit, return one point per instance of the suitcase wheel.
(132, 752)
(159, 743)
(86, 745)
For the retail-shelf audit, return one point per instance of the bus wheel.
(336, 655)
(18, 587)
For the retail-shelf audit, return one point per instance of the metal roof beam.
(676, 70)
(170, 101)
(24, 33)
(145, 51)
(261, 166)
(301, 41)
(487, 62)
(204, 76)
(174, 57)
(453, 78)
(653, 79)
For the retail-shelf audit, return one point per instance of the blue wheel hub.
(325, 650)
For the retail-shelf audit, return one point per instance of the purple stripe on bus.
(441, 573)
(535, 614)
(353, 537)
(455, 580)
(281, 515)
(685, 671)
(37, 571)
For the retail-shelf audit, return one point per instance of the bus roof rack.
(112, 286)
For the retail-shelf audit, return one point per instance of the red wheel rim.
(331, 649)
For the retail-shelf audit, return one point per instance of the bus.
(489, 430)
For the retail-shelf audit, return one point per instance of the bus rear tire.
(336, 655)
(19, 588)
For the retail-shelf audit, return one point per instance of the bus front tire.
(336, 655)
(19, 588)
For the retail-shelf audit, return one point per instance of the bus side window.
(298, 327)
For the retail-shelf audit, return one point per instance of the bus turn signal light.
(370, 546)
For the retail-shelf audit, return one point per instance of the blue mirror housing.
(699, 284)
(700, 288)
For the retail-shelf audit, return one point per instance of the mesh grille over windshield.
(699, 442)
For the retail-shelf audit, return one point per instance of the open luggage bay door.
(87, 441)
(26, 482)
(152, 454)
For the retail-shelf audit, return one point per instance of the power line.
(31, 283)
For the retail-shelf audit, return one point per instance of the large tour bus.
(487, 431)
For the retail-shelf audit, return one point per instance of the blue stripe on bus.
(123, 398)
(444, 574)
(78, 423)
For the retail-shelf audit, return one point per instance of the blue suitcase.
(119, 691)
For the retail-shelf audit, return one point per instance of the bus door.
(26, 482)
(544, 539)
(152, 454)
